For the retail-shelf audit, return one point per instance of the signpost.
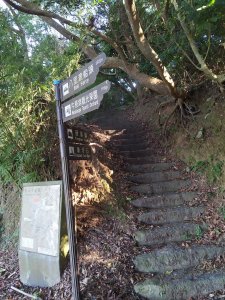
(77, 144)
(85, 102)
(82, 78)
(68, 198)
(79, 152)
(68, 137)
(76, 135)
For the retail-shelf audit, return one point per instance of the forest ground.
(106, 220)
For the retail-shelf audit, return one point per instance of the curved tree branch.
(145, 47)
(203, 66)
(20, 31)
(111, 42)
(152, 83)
(188, 57)
(31, 9)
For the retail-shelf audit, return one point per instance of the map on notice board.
(40, 218)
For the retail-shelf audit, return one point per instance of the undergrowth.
(26, 136)
(222, 211)
(27, 148)
(212, 168)
(116, 207)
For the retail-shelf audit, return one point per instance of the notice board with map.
(41, 217)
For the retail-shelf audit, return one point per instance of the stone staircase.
(166, 220)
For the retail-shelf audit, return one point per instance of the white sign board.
(40, 218)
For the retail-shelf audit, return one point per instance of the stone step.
(155, 176)
(154, 158)
(120, 139)
(135, 132)
(161, 187)
(167, 233)
(147, 168)
(181, 289)
(132, 129)
(116, 125)
(130, 136)
(170, 215)
(172, 258)
(166, 200)
(133, 147)
(138, 153)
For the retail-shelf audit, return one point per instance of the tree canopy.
(140, 30)
(164, 46)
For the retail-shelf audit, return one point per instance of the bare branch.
(209, 44)
(25, 294)
(152, 83)
(20, 31)
(188, 57)
(31, 9)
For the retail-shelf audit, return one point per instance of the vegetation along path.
(169, 213)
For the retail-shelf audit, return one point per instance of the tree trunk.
(152, 83)
(146, 48)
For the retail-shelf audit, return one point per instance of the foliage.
(39, 55)
(22, 141)
(222, 211)
(211, 168)
(28, 128)
(198, 232)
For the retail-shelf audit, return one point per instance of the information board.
(40, 218)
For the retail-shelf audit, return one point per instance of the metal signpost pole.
(68, 198)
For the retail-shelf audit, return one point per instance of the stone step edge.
(167, 197)
(172, 215)
(181, 289)
(139, 177)
(168, 233)
(168, 258)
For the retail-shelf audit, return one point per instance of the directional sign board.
(78, 152)
(85, 102)
(76, 135)
(82, 78)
